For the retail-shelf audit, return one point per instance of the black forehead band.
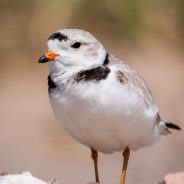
(59, 36)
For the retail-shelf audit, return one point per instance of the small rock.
(175, 178)
(23, 178)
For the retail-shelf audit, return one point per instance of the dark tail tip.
(172, 126)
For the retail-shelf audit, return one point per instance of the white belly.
(106, 119)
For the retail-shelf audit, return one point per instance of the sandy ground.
(31, 140)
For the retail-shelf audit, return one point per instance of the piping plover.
(98, 99)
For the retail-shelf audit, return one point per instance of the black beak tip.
(43, 59)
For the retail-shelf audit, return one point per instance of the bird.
(99, 99)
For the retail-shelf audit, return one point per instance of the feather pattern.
(100, 100)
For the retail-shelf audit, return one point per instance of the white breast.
(105, 115)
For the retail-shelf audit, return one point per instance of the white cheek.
(84, 57)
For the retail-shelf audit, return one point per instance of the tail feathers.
(163, 130)
(172, 126)
(164, 127)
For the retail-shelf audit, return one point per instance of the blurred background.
(148, 35)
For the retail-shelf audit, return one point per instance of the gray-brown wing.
(129, 77)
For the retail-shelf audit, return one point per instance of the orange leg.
(94, 155)
(126, 155)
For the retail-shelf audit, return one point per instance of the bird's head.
(73, 48)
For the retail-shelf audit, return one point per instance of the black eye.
(76, 45)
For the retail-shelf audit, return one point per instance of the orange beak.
(48, 56)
